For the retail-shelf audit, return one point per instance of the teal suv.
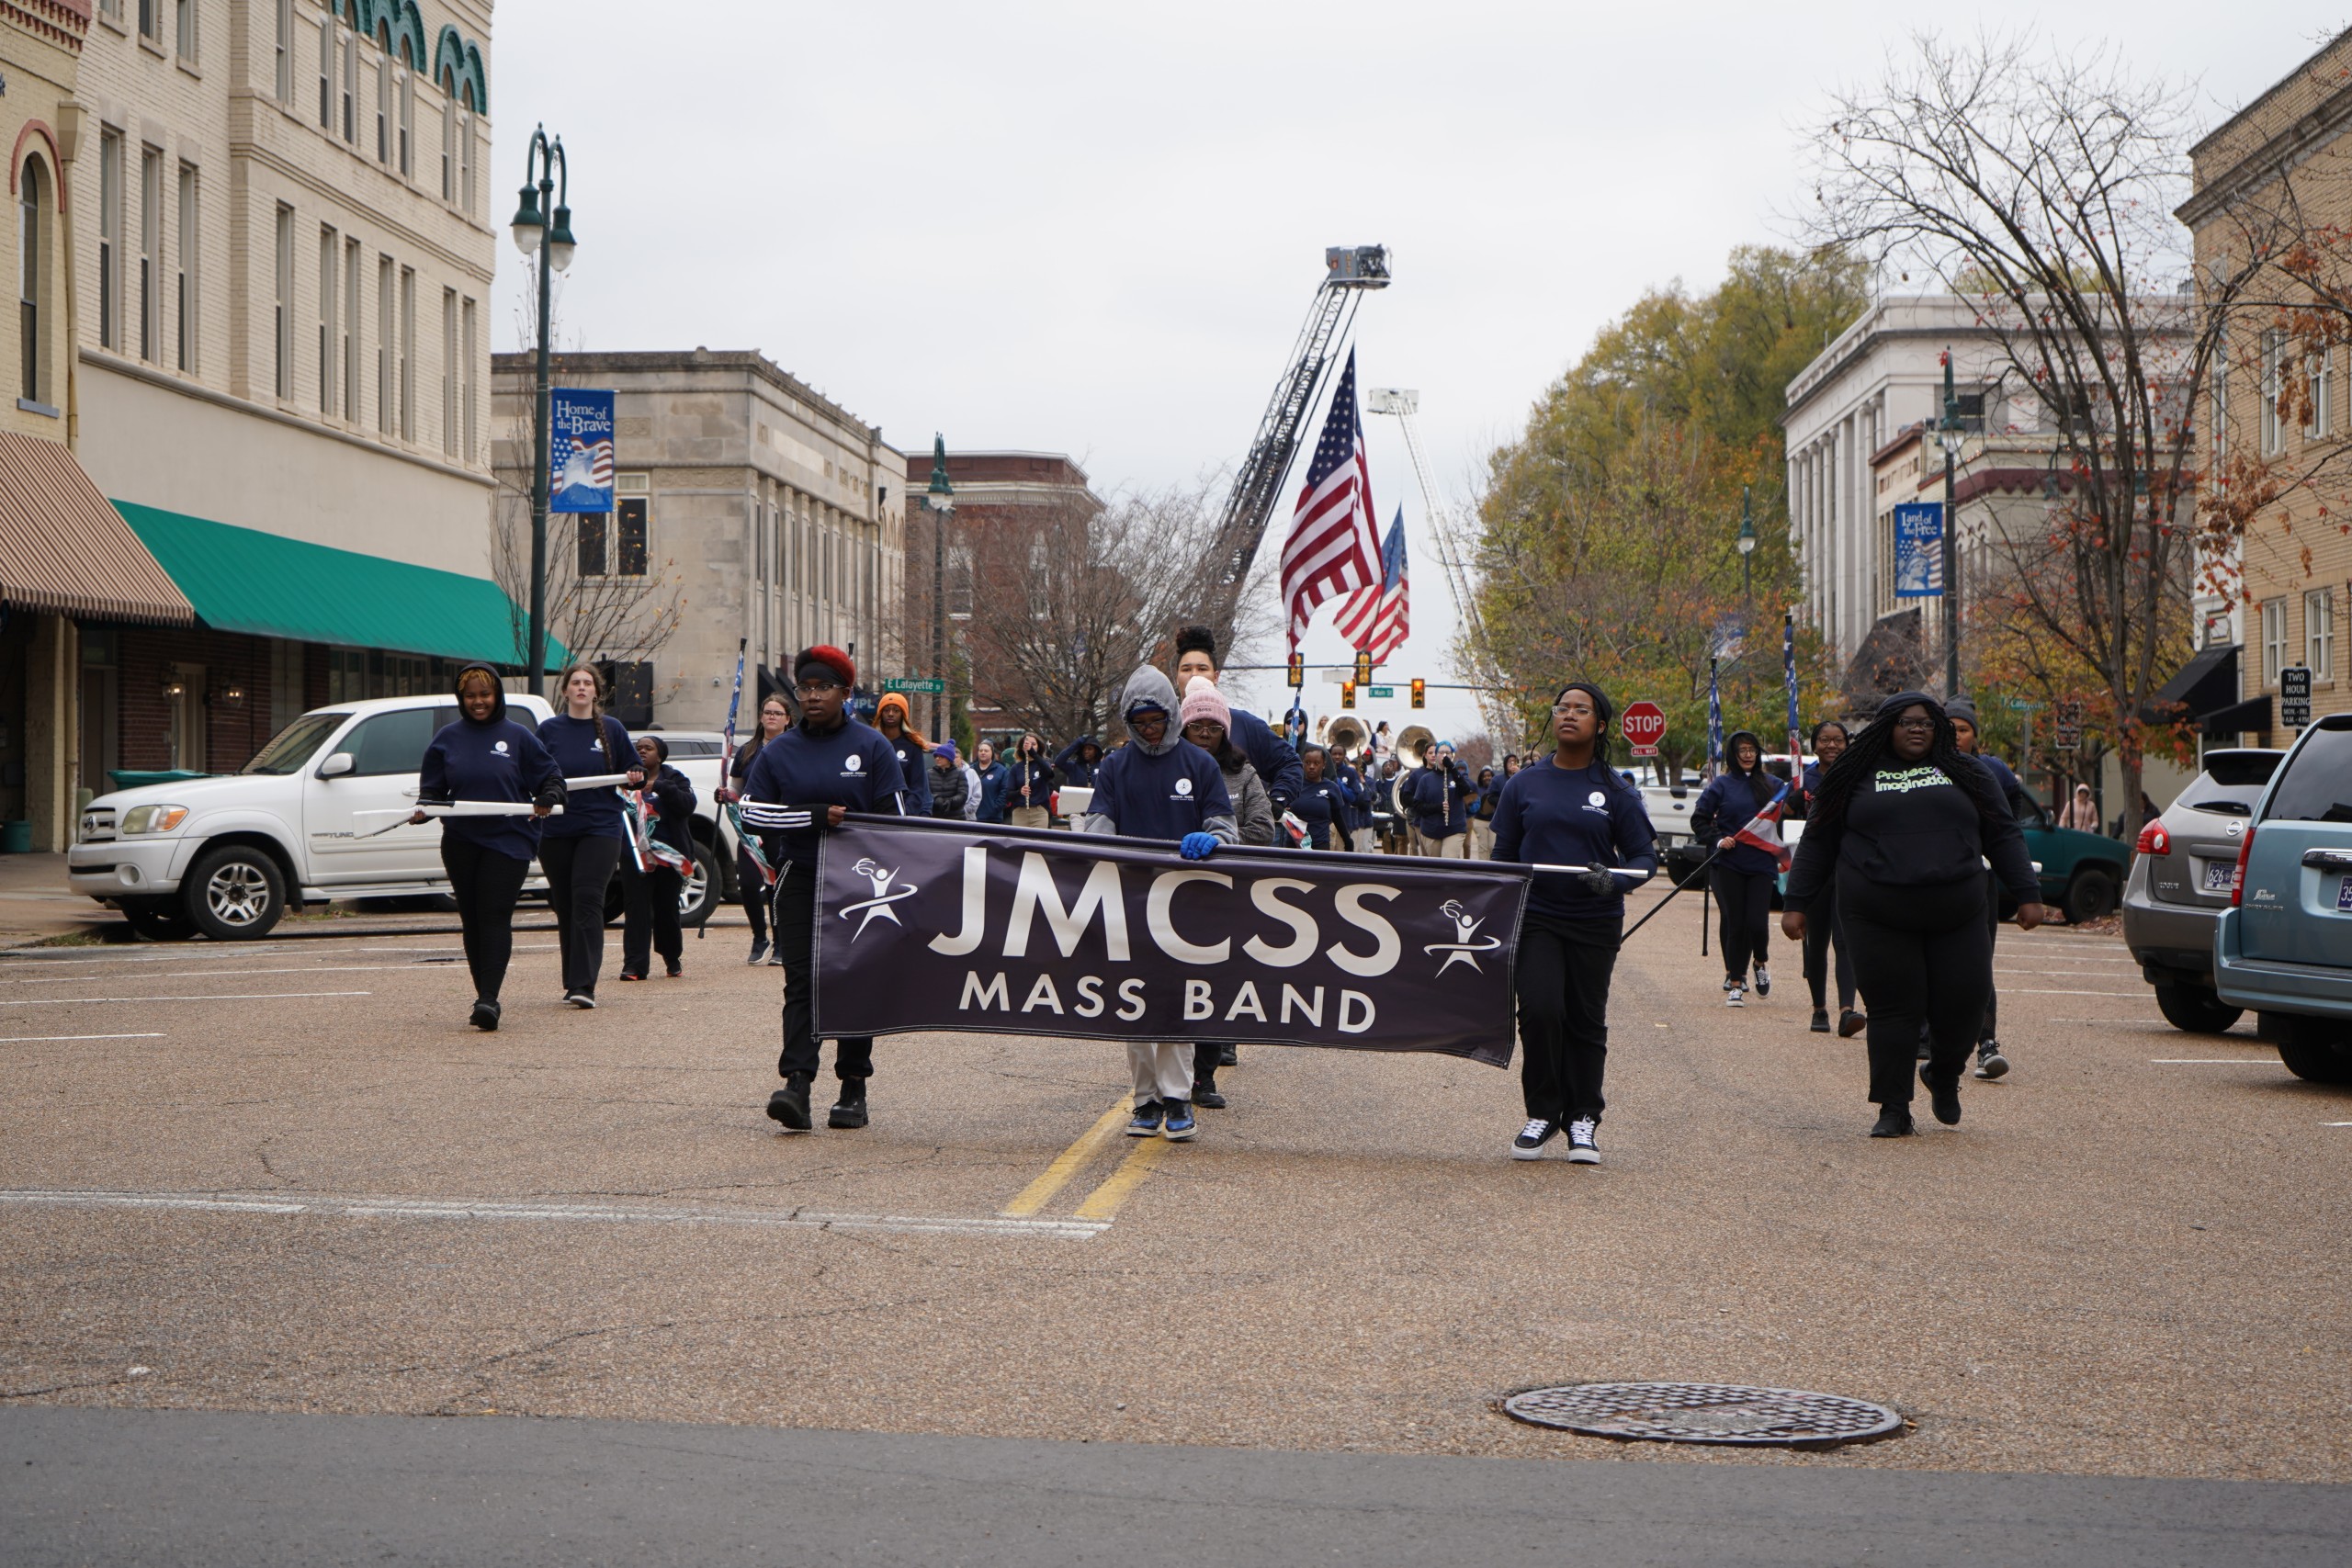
(2284, 947)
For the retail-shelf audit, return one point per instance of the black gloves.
(1596, 881)
(551, 795)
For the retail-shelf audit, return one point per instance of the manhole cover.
(1704, 1412)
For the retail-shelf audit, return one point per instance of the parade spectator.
(991, 776)
(2082, 812)
(1029, 784)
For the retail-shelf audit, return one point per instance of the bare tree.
(2043, 187)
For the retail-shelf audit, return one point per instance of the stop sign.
(1644, 726)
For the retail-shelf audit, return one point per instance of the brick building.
(2288, 150)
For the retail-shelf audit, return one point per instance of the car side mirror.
(334, 767)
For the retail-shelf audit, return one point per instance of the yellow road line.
(1105, 1201)
(1040, 1192)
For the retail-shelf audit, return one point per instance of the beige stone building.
(2276, 402)
(755, 505)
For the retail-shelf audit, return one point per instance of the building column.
(53, 737)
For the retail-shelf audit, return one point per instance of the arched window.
(32, 277)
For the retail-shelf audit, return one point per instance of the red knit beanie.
(828, 659)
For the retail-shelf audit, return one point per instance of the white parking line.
(209, 974)
(244, 996)
(2213, 1061)
(37, 1039)
(365, 1207)
(2049, 991)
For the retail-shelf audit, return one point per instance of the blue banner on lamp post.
(580, 450)
(1919, 550)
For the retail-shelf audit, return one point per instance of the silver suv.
(2180, 883)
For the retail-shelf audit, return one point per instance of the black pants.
(1824, 927)
(795, 934)
(1992, 932)
(1743, 923)
(579, 871)
(485, 883)
(1562, 979)
(1921, 954)
(751, 888)
(649, 924)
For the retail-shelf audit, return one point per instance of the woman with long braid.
(1903, 824)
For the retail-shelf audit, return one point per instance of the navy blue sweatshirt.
(1438, 799)
(799, 772)
(1076, 770)
(1038, 774)
(914, 772)
(2012, 792)
(497, 761)
(1273, 756)
(1723, 809)
(670, 809)
(1323, 804)
(1165, 796)
(1549, 815)
(1910, 826)
(588, 813)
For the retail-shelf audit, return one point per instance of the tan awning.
(64, 548)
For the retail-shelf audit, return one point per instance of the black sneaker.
(1763, 979)
(1944, 1096)
(1206, 1096)
(485, 1015)
(848, 1111)
(759, 950)
(1850, 1023)
(1894, 1122)
(1582, 1150)
(1990, 1063)
(1821, 1020)
(776, 958)
(1229, 1057)
(789, 1104)
(580, 999)
(1532, 1138)
(1149, 1115)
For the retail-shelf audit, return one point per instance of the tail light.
(2237, 878)
(2153, 841)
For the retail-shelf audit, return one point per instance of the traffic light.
(1420, 692)
(1364, 666)
(1346, 693)
(1297, 670)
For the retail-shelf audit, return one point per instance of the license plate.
(2344, 897)
(2217, 873)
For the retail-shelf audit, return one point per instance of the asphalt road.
(283, 1178)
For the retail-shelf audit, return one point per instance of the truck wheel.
(157, 919)
(2090, 897)
(2195, 1009)
(235, 893)
(705, 888)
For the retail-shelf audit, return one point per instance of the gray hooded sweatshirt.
(1163, 790)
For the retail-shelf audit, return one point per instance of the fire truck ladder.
(1351, 270)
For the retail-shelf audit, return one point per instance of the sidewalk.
(34, 902)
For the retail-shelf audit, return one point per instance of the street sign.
(2069, 727)
(915, 685)
(2025, 705)
(1378, 693)
(1644, 726)
(2295, 696)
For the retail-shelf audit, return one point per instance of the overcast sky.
(1095, 228)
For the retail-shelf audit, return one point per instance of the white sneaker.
(1734, 996)
(1582, 1150)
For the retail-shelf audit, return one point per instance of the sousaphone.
(1412, 742)
(1348, 736)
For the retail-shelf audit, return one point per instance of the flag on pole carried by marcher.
(1762, 831)
(1789, 669)
(1391, 619)
(1715, 723)
(1333, 550)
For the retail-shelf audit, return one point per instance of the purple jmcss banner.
(936, 926)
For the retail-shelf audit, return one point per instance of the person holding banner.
(907, 745)
(1903, 826)
(1205, 718)
(579, 850)
(1159, 785)
(484, 755)
(1572, 808)
(751, 888)
(1824, 929)
(1744, 873)
(649, 893)
(803, 781)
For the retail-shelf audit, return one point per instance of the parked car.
(2182, 870)
(2284, 946)
(227, 856)
(2081, 873)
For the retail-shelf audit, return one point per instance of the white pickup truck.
(226, 855)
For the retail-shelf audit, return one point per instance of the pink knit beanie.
(1201, 701)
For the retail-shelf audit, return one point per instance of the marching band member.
(579, 850)
(650, 896)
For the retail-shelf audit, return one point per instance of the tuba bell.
(1412, 743)
(1347, 736)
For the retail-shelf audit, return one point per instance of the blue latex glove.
(1198, 846)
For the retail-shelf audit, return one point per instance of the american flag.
(1334, 546)
(1392, 618)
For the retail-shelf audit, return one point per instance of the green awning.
(241, 580)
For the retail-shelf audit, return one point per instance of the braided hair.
(1874, 747)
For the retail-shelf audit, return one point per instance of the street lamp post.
(543, 215)
(1949, 436)
(941, 501)
(1747, 544)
